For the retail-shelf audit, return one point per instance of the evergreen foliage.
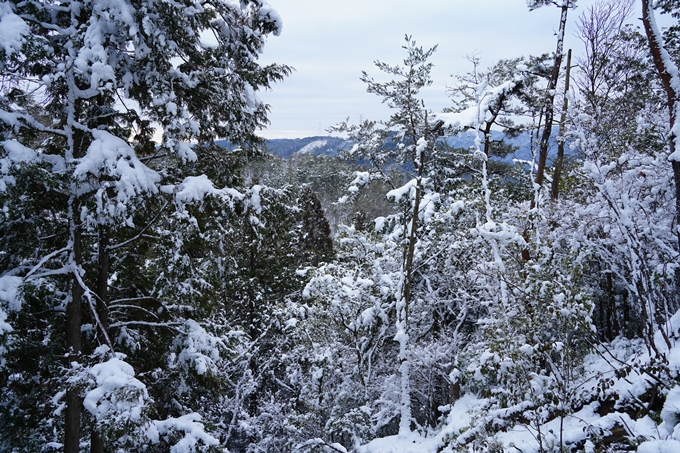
(184, 297)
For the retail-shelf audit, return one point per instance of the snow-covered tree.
(548, 112)
(83, 86)
(414, 136)
(668, 71)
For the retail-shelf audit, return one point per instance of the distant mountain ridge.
(317, 145)
(329, 146)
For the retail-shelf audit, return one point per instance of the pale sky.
(329, 43)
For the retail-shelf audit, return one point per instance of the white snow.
(186, 152)
(255, 199)
(9, 290)
(670, 414)
(194, 432)
(675, 157)
(196, 188)
(422, 145)
(198, 349)
(117, 394)
(428, 206)
(399, 192)
(4, 326)
(659, 446)
(475, 115)
(470, 413)
(379, 224)
(272, 16)
(309, 147)
(111, 156)
(526, 349)
(16, 152)
(12, 29)
(361, 178)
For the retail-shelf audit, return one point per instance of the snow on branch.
(196, 188)
(399, 192)
(118, 396)
(194, 432)
(198, 349)
(110, 157)
(475, 115)
(9, 291)
(12, 29)
(271, 16)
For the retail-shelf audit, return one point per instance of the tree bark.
(73, 411)
(73, 340)
(549, 103)
(410, 251)
(548, 116)
(559, 162)
(103, 286)
(96, 443)
(96, 440)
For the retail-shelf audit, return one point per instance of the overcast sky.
(329, 43)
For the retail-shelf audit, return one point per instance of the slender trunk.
(73, 340)
(403, 306)
(402, 313)
(96, 443)
(103, 286)
(549, 103)
(96, 440)
(405, 372)
(548, 123)
(74, 315)
(254, 320)
(670, 79)
(559, 162)
(487, 138)
(610, 319)
(411, 246)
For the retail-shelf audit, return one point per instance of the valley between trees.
(405, 294)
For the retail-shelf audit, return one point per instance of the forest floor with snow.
(620, 411)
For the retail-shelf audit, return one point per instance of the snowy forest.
(162, 293)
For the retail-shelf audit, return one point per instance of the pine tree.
(316, 233)
(102, 73)
(408, 138)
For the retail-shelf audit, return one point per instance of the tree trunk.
(73, 341)
(73, 411)
(547, 126)
(96, 441)
(559, 162)
(103, 286)
(410, 250)
(549, 103)
(403, 310)
(670, 79)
